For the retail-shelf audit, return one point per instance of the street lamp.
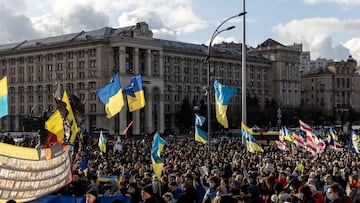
(208, 60)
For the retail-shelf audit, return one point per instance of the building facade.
(285, 73)
(334, 89)
(172, 71)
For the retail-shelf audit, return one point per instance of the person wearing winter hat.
(147, 194)
(91, 196)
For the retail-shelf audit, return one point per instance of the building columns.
(149, 121)
(135, 60)
(148, 62)
(162, 114)
(122, 62)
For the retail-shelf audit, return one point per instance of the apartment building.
(333, 89)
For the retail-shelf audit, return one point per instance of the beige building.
(172, 71)
(285, 73)
(334, 89)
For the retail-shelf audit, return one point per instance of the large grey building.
(172, 71)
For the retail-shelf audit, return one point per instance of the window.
(60, 66)
(60, 56)
(71, 65)
(81, 75)
(40, 58)
(81, 64)
(92, 85)
(40, 69)
(22, 60)
(92, 52)
(92, 107)
(93, 64)
(70, 86)
(92, 96)
(70, 75)
(70, 55)
(40, 98)
(81, 53)
(49, 57)
(81, 85)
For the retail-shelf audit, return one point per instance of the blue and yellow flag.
(288, 135)
(102, 142)
(333, 134)
(157, 148)
(223, 96)
(135, 94)
(199, 120)
(200, 135)
(251, 143)
(111, 95)
(355, 142)
(245, 130)
(4, 109)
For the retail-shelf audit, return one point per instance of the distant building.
(285, 73)
(320, 63)
(333, 89)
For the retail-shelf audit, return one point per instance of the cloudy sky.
(326, 28)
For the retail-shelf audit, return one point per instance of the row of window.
(40, 109)
(49, 57)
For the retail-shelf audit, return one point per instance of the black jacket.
(189, 196)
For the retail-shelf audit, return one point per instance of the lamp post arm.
(240, 14)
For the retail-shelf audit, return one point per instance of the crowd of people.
(226, 173)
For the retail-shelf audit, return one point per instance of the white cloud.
(168, 19)
(316, 35)
(354, 46)
(16, 27)
(175, 17)
(220, 39)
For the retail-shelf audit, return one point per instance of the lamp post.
(243, 76)
(208, 60)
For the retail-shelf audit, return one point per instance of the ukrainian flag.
(223, 96)
(200, 135)
(102, 142)
(288, 135)
(251, 143)
(4, 109)
(333, 134)
(245, 128)
(111, 95)
(157, 148)
(135, 94)
(199, 120)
